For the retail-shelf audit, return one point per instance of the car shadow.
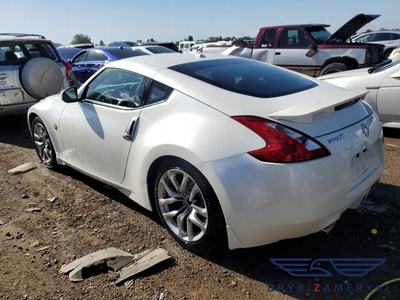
(352, 237)
(14, 131)
(105, 190)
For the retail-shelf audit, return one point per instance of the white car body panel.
(383, 87)
(261, 202)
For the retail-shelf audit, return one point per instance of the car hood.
(351, 27)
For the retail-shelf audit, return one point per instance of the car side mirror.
(69, 95)
(312, 50)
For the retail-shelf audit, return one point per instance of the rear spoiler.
(305, 112)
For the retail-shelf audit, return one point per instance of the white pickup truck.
(309, 48)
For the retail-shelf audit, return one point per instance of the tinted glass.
(125, 52)
(158, 92)
(246, 77)
(159, 49)
(382, 36)
(395, 36)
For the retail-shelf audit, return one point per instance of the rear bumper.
(267, 202)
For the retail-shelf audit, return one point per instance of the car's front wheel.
(43, 146)
(188, 206)
(333, 68)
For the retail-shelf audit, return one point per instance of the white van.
(185, 46)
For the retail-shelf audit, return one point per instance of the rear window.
(125, 52)
(159, 49)
(19, 52)
(247, 77)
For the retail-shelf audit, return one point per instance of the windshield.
(384, 68)
(320, 34)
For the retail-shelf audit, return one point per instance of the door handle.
(130, 130)
(277, 53)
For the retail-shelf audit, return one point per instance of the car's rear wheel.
(188, 206)
(333, 68)
(43, 145)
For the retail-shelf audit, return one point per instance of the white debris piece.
(26, 167)
(124, 263)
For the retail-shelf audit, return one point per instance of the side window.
(158, 92)
(294, 38)
(289, 38)
(40, 50)
(364, 39)
(18, 52)
(80, 57)
(119, 87)
(96, 56)
(382, 36)
(268, 38)
(395, 36)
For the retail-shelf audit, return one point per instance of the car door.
(78, 64)
(95, 60)
(98, 132)
(291, 52)
(388, 100)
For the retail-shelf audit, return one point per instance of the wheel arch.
(387, 52)
(347, 60)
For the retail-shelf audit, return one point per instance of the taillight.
(283, 144)
(68, 68)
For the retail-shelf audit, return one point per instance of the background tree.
(81, 39)
(101, 43)
(190, 38)
(150, 40)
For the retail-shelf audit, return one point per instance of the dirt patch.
(74, 215)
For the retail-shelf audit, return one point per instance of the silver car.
(30, 69)
(389, 38)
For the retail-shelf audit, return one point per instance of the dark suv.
(30, 69)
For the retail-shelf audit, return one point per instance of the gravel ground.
(49, 218)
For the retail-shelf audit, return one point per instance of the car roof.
(379, 31)
(21, 35)
(118, 52)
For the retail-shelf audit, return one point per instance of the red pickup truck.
(309, 48)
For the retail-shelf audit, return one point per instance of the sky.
(175, 20)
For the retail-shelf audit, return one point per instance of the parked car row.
(88, 61)
(30, 69)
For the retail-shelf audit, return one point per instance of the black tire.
(387, 54)
(43, 145)
(188, 207)
(333, 68)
